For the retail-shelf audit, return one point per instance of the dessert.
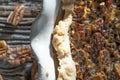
(95, 39)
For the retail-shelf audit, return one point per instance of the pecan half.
(16, 16)
(3, 49)
(1, 78)
(19, 55)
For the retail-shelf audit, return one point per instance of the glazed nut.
(98, 40)
(19, 55)
(117, 69)
(1, 78)
(3, 49)
(3, 45)
(16, 16)
(98, 76)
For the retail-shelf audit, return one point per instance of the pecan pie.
(95, 39)
(94, 36)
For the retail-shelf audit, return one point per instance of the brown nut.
(3, 49)
(16, 16)
(1, 78)
(117, 69)
(19, 55)
(98, 40)
(98, 76)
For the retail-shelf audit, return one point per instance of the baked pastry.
(61, 43)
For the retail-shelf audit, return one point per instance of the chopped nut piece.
(81, 32)
(102, 7)
(117, 69)
(95, 38)
(98, 40)
(19, 55)
(117, 26)
(88, 61)
(16, 16)
(98, 76)
(79, 11)
(110, 15)
(103, 59)
(109, 2)
(116, 54)
(98, 24)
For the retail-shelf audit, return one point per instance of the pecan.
(34, 71)
(88, 32)
(117, 69)
(16, 16)
(116, 54)
(110, 15)
(79, 73)
(19, 55)
(88, 61)
(98, 24)
(103, 59)
(98, 76)
(102, 7)
(110, 46)
(82, 11)
(108, 2)
(3, 49)
(79, 11)
(3, 45)
(1, 78)
(81, 31)
(98, 40)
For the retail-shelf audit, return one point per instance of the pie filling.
(95, 39)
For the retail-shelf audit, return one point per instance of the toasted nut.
(19, 55)
(16, 16)
(98, 76)
(117, 69)
(1, 78)
(3, 49)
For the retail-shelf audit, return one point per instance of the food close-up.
(59, 39)
(16, 56)
(95, 39)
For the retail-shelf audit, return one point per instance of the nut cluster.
(19, 55)
(95, 40)
(16, 16)
(15, 56)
